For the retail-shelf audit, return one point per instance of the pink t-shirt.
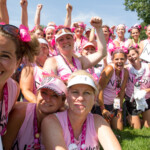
(25, 137)
(145, 80)
(12, 93)
(109, 92)
(91, 140)
(63, 68)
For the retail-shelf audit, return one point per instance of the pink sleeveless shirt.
(109, 92)
(91, 140)
(63, 68)
(124, 43)
(25, 137)
(37, 74)
(145, 80)
(12, 93)
(37, 77)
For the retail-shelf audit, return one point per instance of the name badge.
(73, 146)
(116, 104)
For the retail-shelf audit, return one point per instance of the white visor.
(42, 41)
(63, 33)
(82, 79)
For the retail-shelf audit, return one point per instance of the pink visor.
(54, 84)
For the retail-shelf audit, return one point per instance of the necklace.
(73, 146)
(5, 97)
(36, 133)
(74, 68)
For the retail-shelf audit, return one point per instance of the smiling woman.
(24, 125)
(66, 63)
(76, 128)
(113, 82)
(13, 48)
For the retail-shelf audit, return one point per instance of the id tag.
(116, 103)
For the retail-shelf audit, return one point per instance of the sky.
(111, 11)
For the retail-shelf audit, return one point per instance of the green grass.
(133, 139)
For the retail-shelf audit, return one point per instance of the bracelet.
(102, 107)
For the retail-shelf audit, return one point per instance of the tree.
(142, 7)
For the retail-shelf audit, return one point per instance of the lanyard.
(5, 97)
(36, 133)
(118, 83)
(74, 64)
(83, 136)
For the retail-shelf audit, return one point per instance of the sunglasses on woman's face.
(10, 29)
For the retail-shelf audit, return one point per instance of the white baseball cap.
(82, 79)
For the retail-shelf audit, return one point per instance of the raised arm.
(4, 17)
(68, 15)
(24, 13)
(93, 59)
(38, 15)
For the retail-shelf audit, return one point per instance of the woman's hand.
(69, 8)
(39, 7)
(24, 3)
(96, 22)
(107, 115)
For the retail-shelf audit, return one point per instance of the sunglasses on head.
(10, 29)
(61, 29)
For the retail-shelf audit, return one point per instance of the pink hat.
(88, 44)
(54, 84)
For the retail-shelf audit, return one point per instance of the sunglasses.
(10, 29)
(61, 29)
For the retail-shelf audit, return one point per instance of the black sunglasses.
(10, 29)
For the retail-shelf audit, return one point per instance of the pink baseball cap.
(54, 84)
(89, 44)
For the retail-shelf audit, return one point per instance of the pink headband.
(135, 26)
(125, 49)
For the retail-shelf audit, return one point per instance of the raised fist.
(69, 7)
(96, 22)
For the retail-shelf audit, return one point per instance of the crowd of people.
(65, 87)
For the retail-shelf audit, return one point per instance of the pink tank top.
(109, 92)
(124, 43)
(37, 74)
(145, 82)
(12, 93)
(25, 137)
(79, 46)
(91, 140)
(63, 68)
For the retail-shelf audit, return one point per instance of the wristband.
(102, 107)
